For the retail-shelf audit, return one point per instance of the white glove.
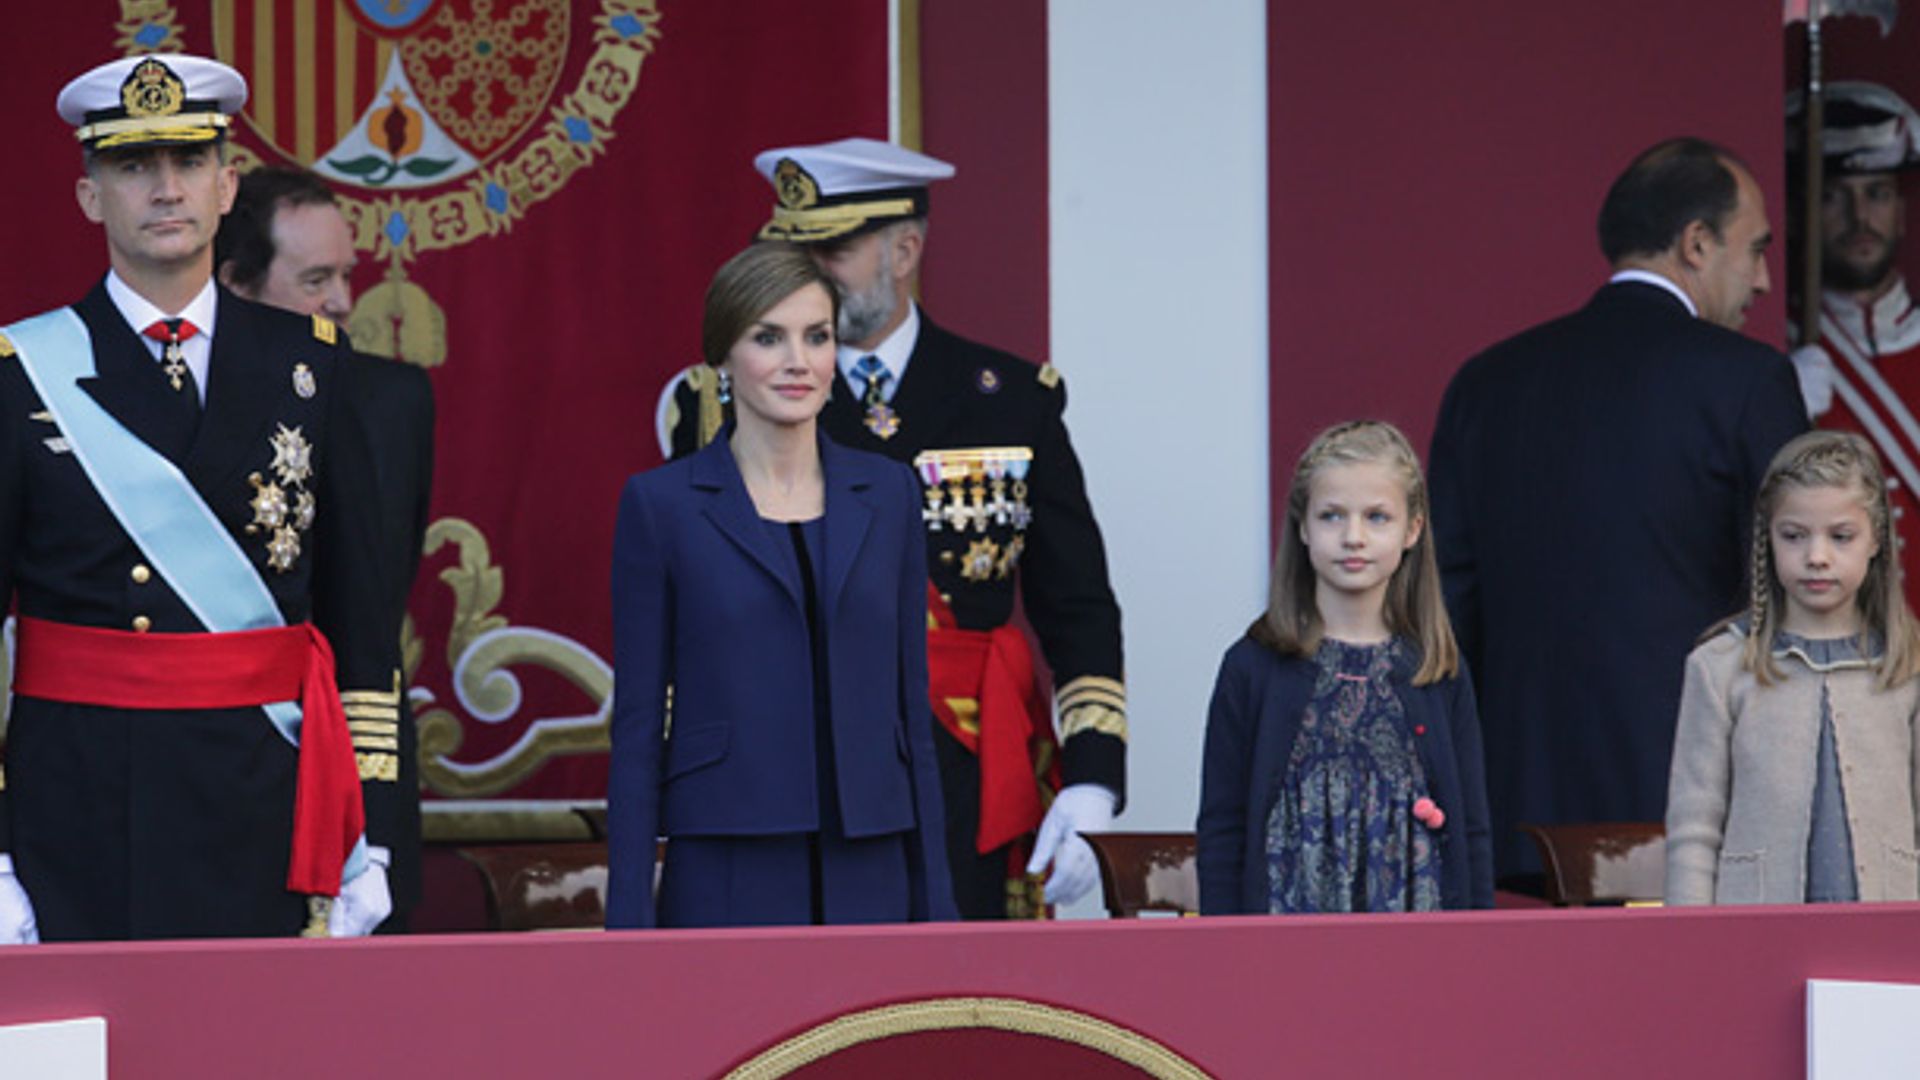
(17, 926)
(365, 901)
(1079, 808)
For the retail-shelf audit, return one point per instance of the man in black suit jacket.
(1005, 509)
(1593, 483)
(286, 243)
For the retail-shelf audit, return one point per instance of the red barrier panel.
(1554, 993)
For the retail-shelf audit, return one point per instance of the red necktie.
(171, 332)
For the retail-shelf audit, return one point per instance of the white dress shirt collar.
(1659, 281)
(894, 351)
(141, 313)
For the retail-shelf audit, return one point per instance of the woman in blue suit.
(769, 593)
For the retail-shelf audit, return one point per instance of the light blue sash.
(152, 499)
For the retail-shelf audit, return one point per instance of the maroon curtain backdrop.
(983, 69)
(1436, 171)
(583, 167)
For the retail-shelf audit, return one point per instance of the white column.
(1158, 158)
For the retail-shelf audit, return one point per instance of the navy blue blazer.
(1251, 726)
(706, 603)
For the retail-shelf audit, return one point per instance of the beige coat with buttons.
(1740, 796)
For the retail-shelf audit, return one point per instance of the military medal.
(303, 380)
(175, 365)
(930, 479)
(882, 420)
(1021, 513)
(283, 508)
(979, 561)
(292, 455)
(170, 333)
(958, 513)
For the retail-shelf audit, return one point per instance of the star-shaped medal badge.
(292, 455)
(269, 504)
(979, 561)
(283, 549)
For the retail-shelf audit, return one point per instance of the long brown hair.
(1414, 607)
(1832, 459)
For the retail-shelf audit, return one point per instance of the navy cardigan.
(1257, 703)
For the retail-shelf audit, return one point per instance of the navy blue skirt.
(784, 880)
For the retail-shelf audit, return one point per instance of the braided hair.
(1831, 459)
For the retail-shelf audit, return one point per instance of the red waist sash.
(993, 668)
(87, 665)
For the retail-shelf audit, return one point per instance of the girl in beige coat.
(1794, 762)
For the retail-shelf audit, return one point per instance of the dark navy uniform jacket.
(177, 823)
(1593, 484)
(391, 418)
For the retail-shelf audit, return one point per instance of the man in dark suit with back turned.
(1593, 484)
(1005, 508)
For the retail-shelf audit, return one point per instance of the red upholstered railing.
(1548, 993)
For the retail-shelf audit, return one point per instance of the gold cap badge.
(152, 89)
(794, 186)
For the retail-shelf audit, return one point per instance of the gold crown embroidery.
(152, 90)
(797, 188)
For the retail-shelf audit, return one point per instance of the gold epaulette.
(324, 330)
(1092, 703)
(6, 348)
(1049, 376)
(704, 381)
(373, 720)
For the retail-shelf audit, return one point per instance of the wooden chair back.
(1602, 862)
(552, 886)
(1143, 871)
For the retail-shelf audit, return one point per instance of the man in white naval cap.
(1864, 373)
(1006, 510)
(182, 536)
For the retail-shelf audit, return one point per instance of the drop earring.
(726, 388)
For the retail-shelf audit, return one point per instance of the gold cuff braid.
(1093, 703)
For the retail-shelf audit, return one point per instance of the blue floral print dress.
(1342, 836)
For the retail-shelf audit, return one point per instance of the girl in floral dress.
(1342, 769)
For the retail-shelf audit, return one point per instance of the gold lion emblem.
(796, 187)
(152, 90)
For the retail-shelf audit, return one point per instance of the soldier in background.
(1864, 373)
(286, 243)
(1006, 511)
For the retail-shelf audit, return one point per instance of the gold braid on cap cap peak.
(827, 222)
(179, 128)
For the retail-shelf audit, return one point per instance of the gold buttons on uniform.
(141, 575)
(141, 624)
